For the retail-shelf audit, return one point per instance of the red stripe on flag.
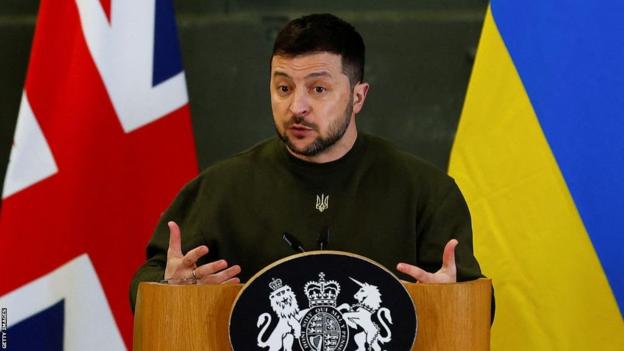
(106, 5)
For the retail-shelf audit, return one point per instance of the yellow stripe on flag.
(551, 292)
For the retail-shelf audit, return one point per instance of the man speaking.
(318, 176)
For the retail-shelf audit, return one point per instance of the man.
(319, 173)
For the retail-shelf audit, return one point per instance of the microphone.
(323, 240)
(293, 242)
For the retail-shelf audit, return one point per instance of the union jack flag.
(102, 144)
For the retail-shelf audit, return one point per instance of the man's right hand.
(181, 266)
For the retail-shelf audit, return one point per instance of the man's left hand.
(446, 274)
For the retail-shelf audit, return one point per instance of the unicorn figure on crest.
(360, 315)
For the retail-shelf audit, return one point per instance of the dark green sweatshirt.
(381, 203)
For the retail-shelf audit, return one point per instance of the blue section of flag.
(43, 331)
(167, 60)
(570, 57)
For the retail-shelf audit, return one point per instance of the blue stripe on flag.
(569, 55)
(43, 331)
(167, 60)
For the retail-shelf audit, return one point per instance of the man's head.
(324, 33)
(317, 86)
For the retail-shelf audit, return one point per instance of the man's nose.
(300, 106)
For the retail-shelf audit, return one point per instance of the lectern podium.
(195, 317)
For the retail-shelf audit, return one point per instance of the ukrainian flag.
(539, 155)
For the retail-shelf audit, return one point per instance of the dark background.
(419, 58)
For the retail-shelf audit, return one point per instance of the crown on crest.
(321, 292)
(275, 284)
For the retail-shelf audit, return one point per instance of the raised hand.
(181, 266)
(446, 274)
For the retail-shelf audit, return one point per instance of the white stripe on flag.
(89, 323)
(31, 158)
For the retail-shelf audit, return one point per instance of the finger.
(191, 257)
(219, 269)
(221, 276)
(175, 242)
(414, 272)
(448, 257)
(210, 268)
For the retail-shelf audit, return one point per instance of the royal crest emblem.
(322, 202)
(338, 306)
(323, 326)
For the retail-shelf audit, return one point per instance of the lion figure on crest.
(360, 315)
(284, 304)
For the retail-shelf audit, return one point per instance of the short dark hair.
(323, 33)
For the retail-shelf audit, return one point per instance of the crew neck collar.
(355, 151)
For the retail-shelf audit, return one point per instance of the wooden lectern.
(195, 317)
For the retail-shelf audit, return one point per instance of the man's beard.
(335, 132)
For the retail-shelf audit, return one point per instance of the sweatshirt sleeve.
(182, 212)
(445, 219)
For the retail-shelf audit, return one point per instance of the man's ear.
(359, 96)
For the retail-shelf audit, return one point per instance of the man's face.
(313, 105)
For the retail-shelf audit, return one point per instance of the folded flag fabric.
(102, 144)
(538, 154)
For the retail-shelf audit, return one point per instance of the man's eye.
(283, 88)
(319, 90)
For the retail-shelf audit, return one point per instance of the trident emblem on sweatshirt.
(322, 202)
